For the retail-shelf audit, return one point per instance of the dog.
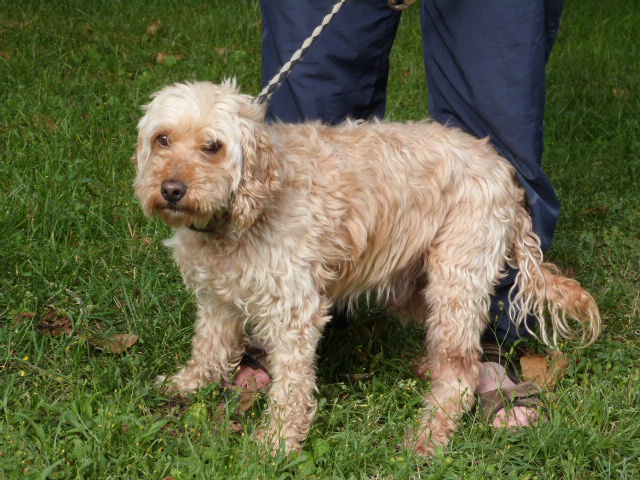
(275, 223)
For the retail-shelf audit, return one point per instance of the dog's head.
(203, 154)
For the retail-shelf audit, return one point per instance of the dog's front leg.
(217, 344)
(292, 402)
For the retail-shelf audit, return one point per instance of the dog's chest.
(247, 277)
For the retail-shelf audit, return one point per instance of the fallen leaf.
(535, 368)
(4, 54)
(621, 93)
(545, 370)
(246, 400)
(25, 316)
(169, 59)
(222, 51)
(154, 28)
(598, 210)
(116, 343)
(235, 426)
(42, 121)
(53, 323)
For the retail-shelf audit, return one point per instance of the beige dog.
(275, 223)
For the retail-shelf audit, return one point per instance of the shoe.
(523, 394)
(240, 397)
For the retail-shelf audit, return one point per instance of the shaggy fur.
(275, 223)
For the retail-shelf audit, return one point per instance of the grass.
(73, 75)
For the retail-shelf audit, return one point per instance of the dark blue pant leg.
(344, 73)
(485, 63)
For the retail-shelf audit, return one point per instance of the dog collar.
(214, 226)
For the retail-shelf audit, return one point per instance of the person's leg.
(485, 64)
(343, 74)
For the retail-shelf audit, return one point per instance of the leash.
(284, 72)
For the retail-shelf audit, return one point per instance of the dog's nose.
(173, 190)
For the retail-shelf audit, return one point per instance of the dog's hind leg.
(461, 274)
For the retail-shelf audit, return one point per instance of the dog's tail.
(540, 288)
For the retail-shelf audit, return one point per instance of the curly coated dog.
(276, 223)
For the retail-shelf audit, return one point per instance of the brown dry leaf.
(25, 316)
(545, 370)
(169, 58)
(535, 368)
(44, 122)
(154, 28)
(222, 51)
(598, 210)
(4, 54)
(621, 93)
(246, 400)
(116, 343)
(235, 426)
(53, 323)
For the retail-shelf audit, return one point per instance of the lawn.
(81, 265)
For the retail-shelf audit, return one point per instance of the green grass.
(73, 75)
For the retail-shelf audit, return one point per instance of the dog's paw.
(273, 443)
(434, 431)
(166, 385)
(420, 443)
(175, 386)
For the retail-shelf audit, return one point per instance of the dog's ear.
(141, 155)
(260, 180)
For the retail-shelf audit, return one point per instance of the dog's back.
(381, 195)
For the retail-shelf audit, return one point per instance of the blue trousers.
(485, 67)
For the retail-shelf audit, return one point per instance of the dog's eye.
(163, 140)
(212, 147)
